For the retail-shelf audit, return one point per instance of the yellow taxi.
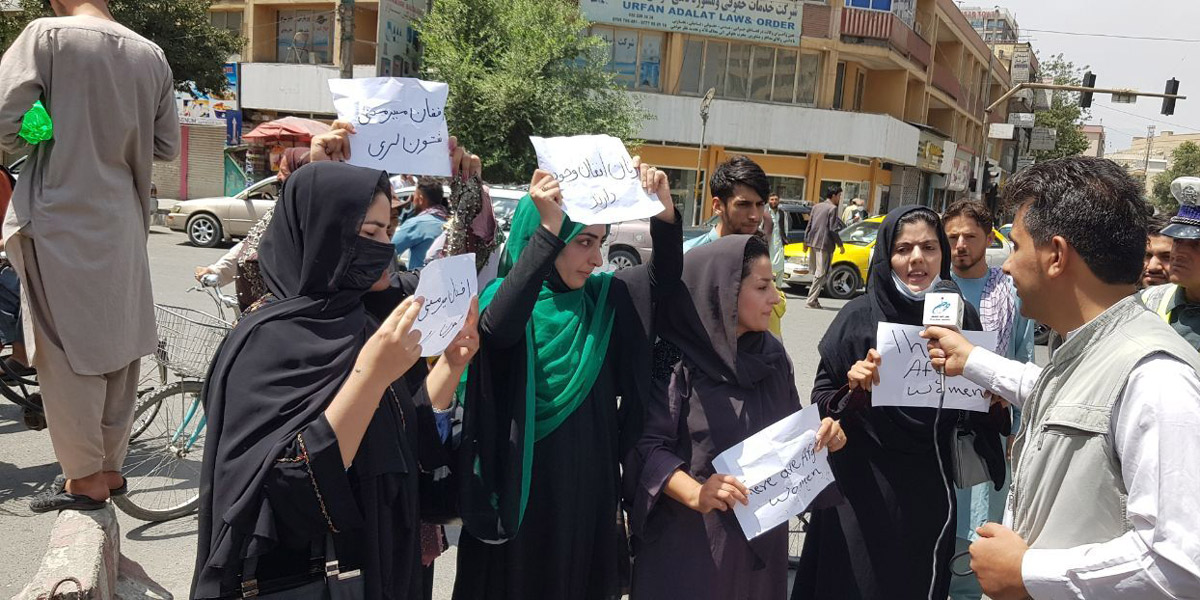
(848, 271)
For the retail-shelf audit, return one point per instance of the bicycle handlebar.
(210, 280)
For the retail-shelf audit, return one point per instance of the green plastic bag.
(37, 127)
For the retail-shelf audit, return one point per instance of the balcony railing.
(885, 27)
(943, 79)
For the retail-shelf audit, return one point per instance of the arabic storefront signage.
(1021, 64)
(930, 153)
(197, 108)
(960, 173)
(767, 21)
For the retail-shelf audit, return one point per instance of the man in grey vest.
(1105, 500)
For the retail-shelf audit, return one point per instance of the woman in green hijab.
(543, 436)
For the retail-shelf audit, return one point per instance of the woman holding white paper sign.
(312, 430)
(543, 436)
(734, 379)
(880, 543)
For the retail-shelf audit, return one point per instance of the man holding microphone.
(1105, 499)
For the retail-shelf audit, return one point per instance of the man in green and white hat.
(1178, 302)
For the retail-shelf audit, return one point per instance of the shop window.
(810, 72)
(231, 20)
(304, 36)
(634, 58)
(839, 85)
(744, 71)
(762, 70)
(784, 89)
(715, 56)
(789, 189)
(871, 4)
(689, 74)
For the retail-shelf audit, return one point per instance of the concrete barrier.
(83, 562)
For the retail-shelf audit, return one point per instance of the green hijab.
(566, 339)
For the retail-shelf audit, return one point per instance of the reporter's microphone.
(944, 306)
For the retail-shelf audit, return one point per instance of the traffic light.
(1168, 107)
(1085, 98)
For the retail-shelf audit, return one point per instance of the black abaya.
(879, 544)
(571, 542)
(273, 483)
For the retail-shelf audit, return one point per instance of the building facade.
(1148, 156)
(1096, 140)
(883, 98)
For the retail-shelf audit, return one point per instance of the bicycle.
(166, 446)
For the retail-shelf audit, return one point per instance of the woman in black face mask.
(311, 430)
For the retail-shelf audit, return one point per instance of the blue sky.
(1122, 63)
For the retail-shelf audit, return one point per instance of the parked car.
(209, 221)
(848, 271)
(629, 244)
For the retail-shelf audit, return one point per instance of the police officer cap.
(1186, 224)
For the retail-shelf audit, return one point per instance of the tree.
(196, 50)
(518, 68)
(1185, 162)
(1065, 115)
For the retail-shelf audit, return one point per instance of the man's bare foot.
(93, 486)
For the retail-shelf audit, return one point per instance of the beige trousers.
(89, 416)
(818, 264)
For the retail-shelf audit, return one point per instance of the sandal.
(15, 369)
(65, 501)
(59, 485)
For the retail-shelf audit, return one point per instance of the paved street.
(167, 550)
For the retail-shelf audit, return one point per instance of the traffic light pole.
(1075, 88)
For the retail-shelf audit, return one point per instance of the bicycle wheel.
(151, 377)
(797, 526)
(163, 465)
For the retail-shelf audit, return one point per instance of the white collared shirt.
(1157, 439)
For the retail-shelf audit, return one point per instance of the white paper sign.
(781, 470)
(447, 285)
(599, 183)
(399, 122)
(907, 378)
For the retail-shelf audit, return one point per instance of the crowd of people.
(590, 404)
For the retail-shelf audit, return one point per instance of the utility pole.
(1149, 144)
(346, 21)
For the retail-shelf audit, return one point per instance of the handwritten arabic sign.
(400, 123)
(907, 378)
(769, 21)
(781, 468)
(447, 285)
(599, 183)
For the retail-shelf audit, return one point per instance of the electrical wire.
(1125, 112)
(937, 416)
(1146, 38)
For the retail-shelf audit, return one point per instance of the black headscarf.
(284, 363)
(705, 328)
(852, 333)
(729, 387)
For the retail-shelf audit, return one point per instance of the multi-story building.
(882, 97)
(1095, 137)
(1161, 148)
(995, 25)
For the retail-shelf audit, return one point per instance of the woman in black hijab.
(880, 542)
(309, 431)
(735, 378)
